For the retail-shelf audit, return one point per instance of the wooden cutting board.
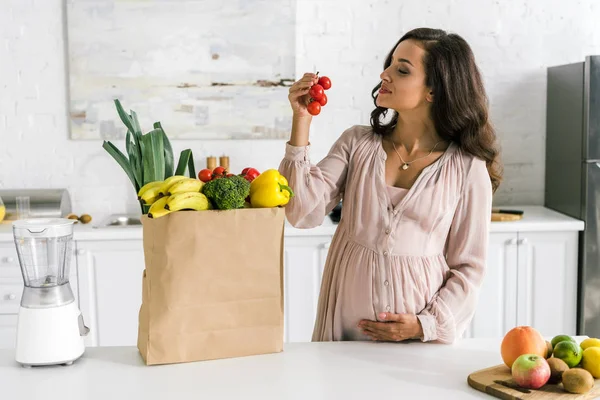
(498, 382)
(502, 217)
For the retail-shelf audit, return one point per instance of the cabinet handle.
(8, 260)
(12, 296)
(80, 252)
(326, 245)
(513, 241)
(523, 241)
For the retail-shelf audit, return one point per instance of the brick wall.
(514, 41)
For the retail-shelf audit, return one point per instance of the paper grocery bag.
(213, 285)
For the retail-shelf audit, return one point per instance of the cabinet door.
(303, 267)
(547, 282)
(8, 331)
(497, 304)
(110, 284)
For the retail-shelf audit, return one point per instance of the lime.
(569, 352)
(561, 338)
(591, 361)
(590, 342)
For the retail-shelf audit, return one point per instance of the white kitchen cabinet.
(497, 305)
(531, 280)
(304, 260)
(547, 282)
(111, 272)
(111, 290)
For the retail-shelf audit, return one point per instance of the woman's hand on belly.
(396, 328)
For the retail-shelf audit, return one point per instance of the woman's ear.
(429, 96)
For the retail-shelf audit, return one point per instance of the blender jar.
(44, 247)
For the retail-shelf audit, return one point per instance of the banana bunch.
(175, 193)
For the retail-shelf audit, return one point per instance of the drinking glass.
(23, 207)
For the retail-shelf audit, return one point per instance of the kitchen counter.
(535, 219)
(326, 370)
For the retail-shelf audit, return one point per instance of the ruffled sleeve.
(447, 316)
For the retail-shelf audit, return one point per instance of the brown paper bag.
(213, 285)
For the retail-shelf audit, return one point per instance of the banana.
(148, 186)
(157, 209)
(186, 185)
(167, 183)
(151, 195)
(188, 201)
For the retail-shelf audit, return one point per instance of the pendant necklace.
(405, 164)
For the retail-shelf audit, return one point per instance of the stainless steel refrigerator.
(573, 171)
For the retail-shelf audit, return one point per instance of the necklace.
(405, 164)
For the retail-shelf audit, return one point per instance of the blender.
(50, 327)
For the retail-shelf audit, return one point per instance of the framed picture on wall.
(207, 69)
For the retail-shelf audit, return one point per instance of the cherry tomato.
(325, 82)
(323, 100)
(205, 175)
(316, 92)
(250, 173)
(314, 108)
(218, 172)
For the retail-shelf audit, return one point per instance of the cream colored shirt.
(425, 255)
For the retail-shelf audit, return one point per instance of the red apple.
(530, 371)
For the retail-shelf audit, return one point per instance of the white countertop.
(327, 370)
(535, 219)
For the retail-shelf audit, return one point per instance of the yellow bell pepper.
(270, 189)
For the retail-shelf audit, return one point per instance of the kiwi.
(557, 368)
(549, 349)
(577, 380)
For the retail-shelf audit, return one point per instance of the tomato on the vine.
(314, 108)
(325, 82)
(316, 92)
(218, 172)
(323, 100)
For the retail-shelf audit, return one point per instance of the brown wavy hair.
(460, 107)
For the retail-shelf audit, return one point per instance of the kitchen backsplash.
(514, 42)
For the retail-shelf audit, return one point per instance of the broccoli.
(227, 193)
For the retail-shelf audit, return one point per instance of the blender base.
(49, 336)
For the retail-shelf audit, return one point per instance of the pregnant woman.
(408, 256)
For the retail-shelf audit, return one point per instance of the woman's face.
(403, 82)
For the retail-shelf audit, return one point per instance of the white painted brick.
(514, 41)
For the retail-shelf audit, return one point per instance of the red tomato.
(218, 172)
(250, 174)
(314, 108)
(316, 92)
(325, 82)
(205, 175)
(323, 100)
(228, 175)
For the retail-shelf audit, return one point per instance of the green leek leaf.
(153, 156)
(122, 161)
(168, 151)
(184, 159)
(123, 115)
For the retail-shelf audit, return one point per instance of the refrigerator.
(572, 179)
